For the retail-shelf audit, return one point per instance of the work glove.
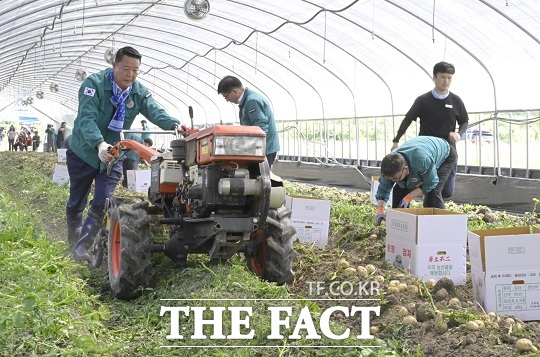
(380, 216)
(405, 201)
(103, 152)
(180, 128)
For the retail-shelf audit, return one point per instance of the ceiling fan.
(80, 74)
(40, 95)
(109, 55)
(197, 9)
(54, 87)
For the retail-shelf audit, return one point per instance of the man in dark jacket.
(439, 111)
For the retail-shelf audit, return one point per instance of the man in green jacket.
(109, 101)
(421, 166)
(255, 110)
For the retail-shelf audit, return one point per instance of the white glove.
(103, 152)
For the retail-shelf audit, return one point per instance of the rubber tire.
(274, 258)
(129, 254)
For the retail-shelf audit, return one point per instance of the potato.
(393, 290)
(373, 330)
(379, 279)
(343, 264)
(349, 272)
(430, 283)
(362, 272)
(402, 311)
(409, 320)
(370, 268)
(393, 283)
(525, 344)
(412, 289)
(402, 287)
(472, 326)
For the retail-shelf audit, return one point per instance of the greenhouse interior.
(339, 75)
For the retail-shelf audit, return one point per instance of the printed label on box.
(311, 218)
(428, 261)
(138, 180)
(61, 155)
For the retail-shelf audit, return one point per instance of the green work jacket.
(424, 156)
(96, 111)
(256, 111)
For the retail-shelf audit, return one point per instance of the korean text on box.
(505, 270)
(138, 180)
(428, 242)
(311, 218)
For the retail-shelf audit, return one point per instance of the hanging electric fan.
(80, 74)
(54, 87)
(40, 95)
(29, 100)
(109, 55)
(197, 9)
(23, 102)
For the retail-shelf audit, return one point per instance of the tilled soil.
(416, 318)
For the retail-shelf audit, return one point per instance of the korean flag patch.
(89, 91)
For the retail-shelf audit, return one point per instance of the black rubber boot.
(74, 223)
(90, 228)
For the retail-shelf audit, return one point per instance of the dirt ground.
(441, 312)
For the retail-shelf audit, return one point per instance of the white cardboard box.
(374, 187)
(311, 218)
(61, 155)
(138, 180)
(61, 174)
(505, 270)
(430, 243)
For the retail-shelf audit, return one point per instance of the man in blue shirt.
(421, 166)
(109, 101)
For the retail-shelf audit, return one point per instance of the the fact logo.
(301, 321)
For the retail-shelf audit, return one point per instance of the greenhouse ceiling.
(311, 59)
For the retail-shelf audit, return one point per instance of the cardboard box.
(311, 218)
(61, 155)
(138, 180)
(505, 270)
(374, 187)
(430, 243)
(61, 174)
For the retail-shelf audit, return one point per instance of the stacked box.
(61, 155)
(138, 180)
(61, 174)
(505, 270)
(430, 243)
(311, 218)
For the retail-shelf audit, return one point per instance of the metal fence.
(503, 144)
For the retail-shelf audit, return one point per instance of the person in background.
(439, 111)
(36, 141)
(255, 110)
(421, 166)
(21, 141)
(145, 127)
(51, 138)
(11, 134)
(61, 136)
(29, 141)
(109, 101)
(131, 159)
